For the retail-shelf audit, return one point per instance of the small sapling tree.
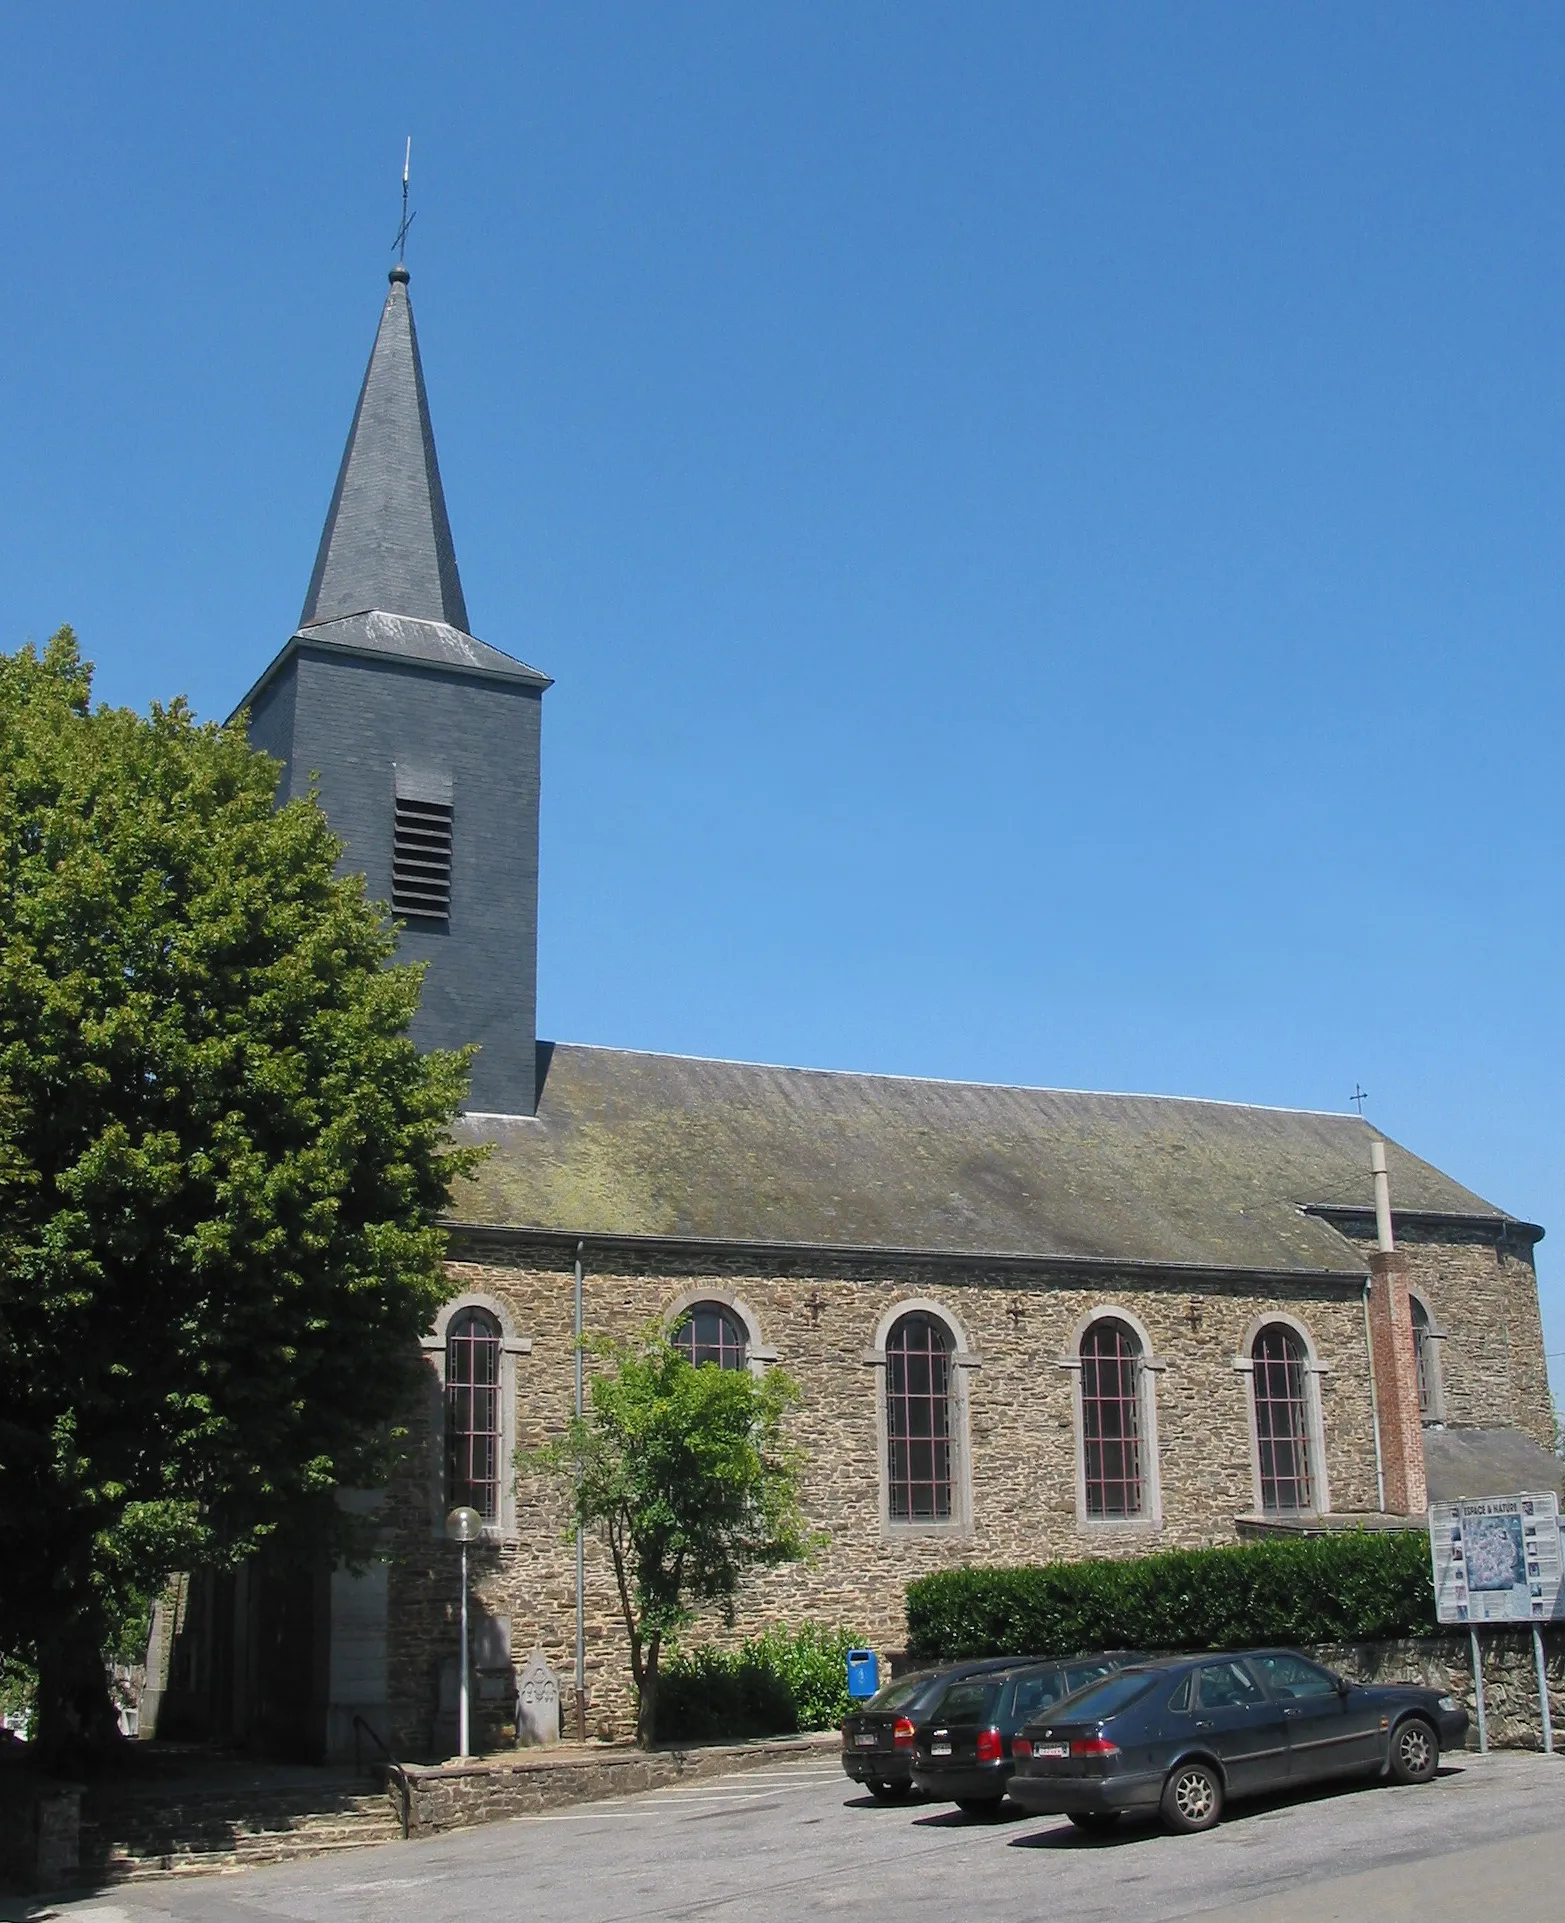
(688, 1478)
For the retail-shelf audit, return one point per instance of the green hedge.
(772, 1685)
(1355, 1587)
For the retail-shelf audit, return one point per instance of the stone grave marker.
(537, 1703)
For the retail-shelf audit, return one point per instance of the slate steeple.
(387, 541)
(421, 742)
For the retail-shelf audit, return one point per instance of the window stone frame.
(1314, 1418)
(512, 1346)
(958, 1525)
(758, 1356)
(1149, 1366)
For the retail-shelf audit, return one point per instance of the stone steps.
(134, 1840)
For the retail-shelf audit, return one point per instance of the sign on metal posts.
(1500, 1561)
(1497, 1561)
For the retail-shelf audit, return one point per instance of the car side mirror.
(1344, 1687)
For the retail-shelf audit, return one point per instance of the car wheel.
(979, 1805)
(1096, 1822)
(1192, 1798)
(888, 1792)
(1415, 1751)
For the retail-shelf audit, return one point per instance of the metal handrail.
(393, 1769)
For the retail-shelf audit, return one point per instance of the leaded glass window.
(1282, 1420)
(473, 1413)
(918, 1420)
(711, 1333)
(1111, 1419)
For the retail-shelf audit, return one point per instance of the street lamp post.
(463, 1526)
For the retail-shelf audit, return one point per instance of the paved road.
(1485, 1843)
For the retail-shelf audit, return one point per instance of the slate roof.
(376, 632)
(386, 580)
(387, 540)
(1470, 1464)
(641, 1145)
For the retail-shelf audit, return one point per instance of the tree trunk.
(647, 1708)
(76, 1721)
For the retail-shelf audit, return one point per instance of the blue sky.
(1045, 520)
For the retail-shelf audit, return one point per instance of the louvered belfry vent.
(421, 859)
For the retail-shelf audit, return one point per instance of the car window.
(1181, 1697)
(897, 1694)
(1228, 1686)
(1032, 1693)
(1110, 1696)
(966, 1702)
(1293, 1676)
(1080, 1674)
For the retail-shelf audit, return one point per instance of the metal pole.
(581, 1544)
(1483, 1721)
(461, 1700)
(1543, 1690)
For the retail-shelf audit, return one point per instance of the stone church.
(1027, 1323)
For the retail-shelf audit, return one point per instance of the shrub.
(1355, 1587)
(772, 1685)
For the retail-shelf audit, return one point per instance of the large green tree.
(689, 1478)
(221, 1165)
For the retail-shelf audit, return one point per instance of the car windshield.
(969, 1701)
(1108, 1698)
(900, 1692)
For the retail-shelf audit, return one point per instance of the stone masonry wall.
(821, 1320)
(1444, 1662)
(1486, 1298)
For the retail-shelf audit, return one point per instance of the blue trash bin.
(863, 1674)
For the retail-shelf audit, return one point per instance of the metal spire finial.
(401, 242)
(1359, 1097)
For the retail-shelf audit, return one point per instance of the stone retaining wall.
(1444, 1663)
(488, 1789)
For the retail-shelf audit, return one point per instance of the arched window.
(1421, 1354)
(473, 1413)
(1111, 1419)
(708, 1332)
(918, 1420)
(1282, 1420)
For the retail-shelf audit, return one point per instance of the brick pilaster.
(1395, 1365)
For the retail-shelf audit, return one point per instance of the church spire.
(387, 541)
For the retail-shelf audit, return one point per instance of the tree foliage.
(221, 1163)
(687, 1475)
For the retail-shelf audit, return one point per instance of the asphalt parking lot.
(797, 1840)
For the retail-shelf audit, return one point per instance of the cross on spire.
(1358, 1098)
(401, 241)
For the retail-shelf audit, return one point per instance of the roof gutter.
(1503, 1228)
(565, 1242)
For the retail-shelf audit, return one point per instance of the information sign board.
(1498, 1561)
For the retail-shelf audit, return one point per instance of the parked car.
(1184, 1737)
(962, 1740)
(877, 1740)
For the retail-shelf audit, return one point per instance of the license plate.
(1051, 1749)
(866, 1742)
(940, 1749)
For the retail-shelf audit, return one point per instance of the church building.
(1027, 1323)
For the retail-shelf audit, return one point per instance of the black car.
(962, 1741)
(1183, 1737)
(877, 1740)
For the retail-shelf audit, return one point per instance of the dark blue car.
(1184, 1737)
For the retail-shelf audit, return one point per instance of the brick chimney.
(1393, 1359)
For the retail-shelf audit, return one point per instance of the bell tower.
(422, 741)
